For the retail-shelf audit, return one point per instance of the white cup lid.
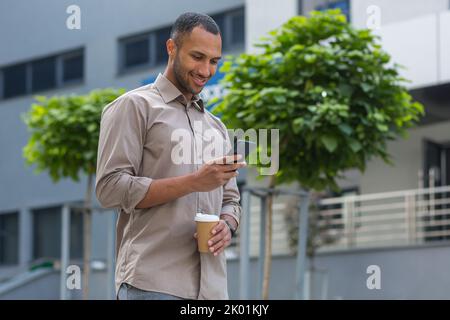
(206, 217)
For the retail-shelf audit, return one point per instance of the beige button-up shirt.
(155, 248)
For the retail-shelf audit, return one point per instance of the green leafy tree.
(64, 141)
(332, 92)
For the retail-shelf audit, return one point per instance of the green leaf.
(382, 127)
(329, 142)
(345, 128)
(92, 127)
(280, 99)
(366, 87)
(354, 145)
(310, 58)
(345, 89)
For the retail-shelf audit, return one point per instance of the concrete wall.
(422, 26)
(41, 288)
(406, 273)
(263, 16)
(47, 287)
(424, 39)
(408, 160)
(395, 11)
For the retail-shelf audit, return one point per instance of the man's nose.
(204, 70)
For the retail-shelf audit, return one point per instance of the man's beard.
(178, 72)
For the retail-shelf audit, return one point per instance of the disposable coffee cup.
(205, 224)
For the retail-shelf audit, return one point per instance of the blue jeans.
(128, 292)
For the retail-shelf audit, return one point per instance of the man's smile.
(199, 81)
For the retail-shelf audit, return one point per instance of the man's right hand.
(216, 173)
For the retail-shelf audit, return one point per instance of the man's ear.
(171, 48)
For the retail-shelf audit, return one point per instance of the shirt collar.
(170, 92)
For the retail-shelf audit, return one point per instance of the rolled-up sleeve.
(122, 136)
(230, 202)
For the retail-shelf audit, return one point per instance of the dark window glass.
(47, 233)
(437, 174)
(9, 239)
(161, 52)
(14, 80)
(237, 28)
(43, 73)
(73, 67)
(136, 52)
(220, 20)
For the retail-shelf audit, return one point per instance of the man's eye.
(197, 57)
(214, 62)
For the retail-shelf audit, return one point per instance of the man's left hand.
(221, 238)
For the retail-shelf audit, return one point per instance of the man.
(157, 197)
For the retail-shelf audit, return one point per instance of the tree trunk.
(87, 212)
(268, 235)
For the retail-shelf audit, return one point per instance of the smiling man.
(157, 199)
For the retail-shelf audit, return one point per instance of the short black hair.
(186, 22)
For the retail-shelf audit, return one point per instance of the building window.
(232, 28)
(237, 28)
(9, 238)
(41, 74)
(436, 173)
(220, 20)
(137, 52)
(161, 38)
(47, 233)
(14, 80)
(300, 7)
(73, 67)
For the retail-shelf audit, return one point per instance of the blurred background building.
(391, 216)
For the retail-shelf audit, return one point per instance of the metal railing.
(280, 237)
(65, 247)
(245, 240)
(407, 217)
